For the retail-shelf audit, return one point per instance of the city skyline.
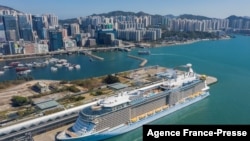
(78, 8)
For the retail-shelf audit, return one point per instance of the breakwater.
(144, 61)
(92, 55)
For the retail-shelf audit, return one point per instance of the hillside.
(8, 8)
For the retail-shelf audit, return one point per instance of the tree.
(20, 101)
(111, 79)
(73, 89)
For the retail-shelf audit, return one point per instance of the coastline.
(175, 43)
(4, 58)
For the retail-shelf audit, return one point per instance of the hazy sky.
(76, 8)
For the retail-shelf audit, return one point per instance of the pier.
(144, 61)
(211, 80)
(92, 55)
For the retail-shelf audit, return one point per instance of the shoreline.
(163, 44)
(175, 43)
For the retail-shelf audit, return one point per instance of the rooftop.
(118, 86)
(47, 104)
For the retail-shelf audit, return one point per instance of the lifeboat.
(158, 109)
(203, 77)
(150, 113)
(133, 119)
(165, 107)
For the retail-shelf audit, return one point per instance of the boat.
(24, 72)
(7, 67)
(129, 110)
(14, 64)
(1, 72)
(53, 69)
(77, 66)
(18, 69)
(29, 64)
(38, 65)
(46, 62)
(61, 61)
(58, 65)
(53, 60)
(20, 65)
(144, 52)
(70, 67)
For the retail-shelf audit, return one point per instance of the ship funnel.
(189, 67)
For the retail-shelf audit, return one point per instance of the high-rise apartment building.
(55, 40)
(2, 31)
(25, 27)
(11, 27)
(37, 22)
(74, 29)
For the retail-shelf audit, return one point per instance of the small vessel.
(66, 64)
(53, 68)
(70, 67)
(20, 65)
(77, 66)
(1, 72)
(14, 64)
(38, 65)
(24, 72)
(18, 69)
(29, 64)
(58, 65)
(46, 62)
(144, 52)
(7, 67)
(53, 60)
(62, 61)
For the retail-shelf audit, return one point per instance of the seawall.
(144, 61)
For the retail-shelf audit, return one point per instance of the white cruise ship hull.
(126, 128)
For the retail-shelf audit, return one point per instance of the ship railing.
(150, 113)
(186, 86)
(167, 92)
(87, 117)
(69, 133)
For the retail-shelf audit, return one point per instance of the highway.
(48, 54)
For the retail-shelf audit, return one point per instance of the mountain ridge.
(2, 7)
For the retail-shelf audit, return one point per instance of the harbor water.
(227, 60)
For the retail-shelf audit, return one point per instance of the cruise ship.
(129, 110)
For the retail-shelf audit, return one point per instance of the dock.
(92, 55)
(211, 80)
(144, 61)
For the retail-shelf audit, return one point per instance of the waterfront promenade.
(81, 50)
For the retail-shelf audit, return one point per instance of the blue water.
(228, 60)
(228, 103)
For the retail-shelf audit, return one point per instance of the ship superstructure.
(129, 110)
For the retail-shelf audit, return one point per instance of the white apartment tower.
(74, 28)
